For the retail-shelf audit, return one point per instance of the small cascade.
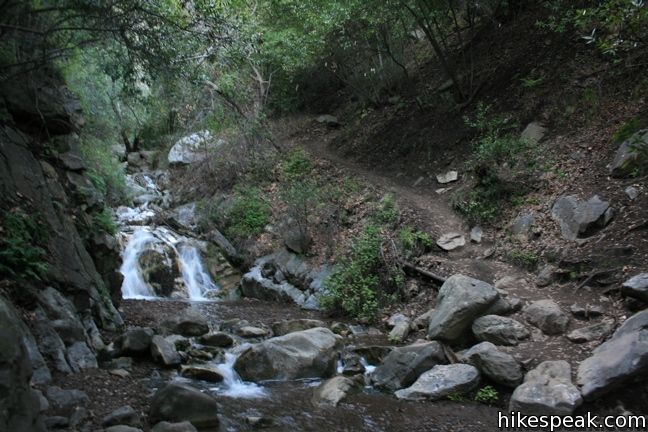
(196, 279)
(134, 286)
(233, 386)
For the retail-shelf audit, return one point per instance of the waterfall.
(233, 385)
(195, 277)
(134, 286)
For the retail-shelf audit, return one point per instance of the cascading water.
(195, 278)
(134, 285)
(232, 385)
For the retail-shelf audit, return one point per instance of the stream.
(175, 263)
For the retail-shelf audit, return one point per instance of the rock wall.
(52, 323)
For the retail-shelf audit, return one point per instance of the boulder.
(461, 299)
(451, 241)
(547, 390)
(203, 373)
(125, 415)
(447, 177)
(217, 339)
(442, 381)
(423, 321)
(547, 316)
(63, 401)
(637, 287)
(309, 353)
(476, 234)
(403, 365)
(20, 405)
(177, 402)
(159, 268)
(188, 323)
(578, 218)
(495, 365)
(184, 216)
(193, 148)
(329, 120)
(332, 391)
(499, 330)
(588, 311)
(617, 362)
(400, 325)
(164, 352)
(632, 192)
(251, 332)
(134, 342)
(297, 239)
(521, 226)
(164, 426)
(631, 156)
(534, 132)
(122, 428)
(254, 284)
(283, 327)
(595, 332)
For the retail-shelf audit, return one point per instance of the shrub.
(248, 215)
(297, 165)
(386, 212)
(528, 260)
(626, 130)
(487, 395)
(414, 242)
(20, 253)
(103, 221)
(352, 288)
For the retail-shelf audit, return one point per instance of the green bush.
(414, 242)
(487, 395)
(297, 165)
(626, 130)
(386, 212)
(20, 252)
(103, 221)
(352, 288)
(105, 172)
(528, 260)
(248, 215)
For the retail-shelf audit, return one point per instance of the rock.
(188, 323)
(164, 352)
(283, 327)
(297, 239)
(185, 216)
(184, 426)
(373, 354)
(592, 333)
(193, 148)
(332, 391)
(353, 365)
(125, 415)
(251, 332)
(442, 381)
(534, 132)
(121, 373)
(122, 363)
(504, 306)
(400, 326)
(637, 287)
(451, 241)
(521, 226)
(134, 342)
(259, 422)
(309, 353)
(217, 339)
(587, 311)
(547, 390)
(80, 356)
(254, 284)
(177, 402)
(476, 234)
(499, 330)
(448, 177)
(632, 192)
(329, 120)
(56, 422)
(402, 366)
(461, 299)
(64, 401)
(577, 217)
(159, 268)
(546, 276)
(547, 316)
(620, 360)
(122, 428)
(631, 156)
(423, 321)
(204, 373)
(19, 404)
(496, 365)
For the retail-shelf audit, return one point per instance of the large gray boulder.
(499, 330)
(19, 404)
(193, 148)
(578, 217)
(637, 287)
(547, 390)
(442, 381)
(631, 156)
(332, 391)
(547, 316)
(188, 323)
(593, 332)
(125, 415)
(134, 342)
(619, 361)
(164, 352)
(284, 327)
(177, 402)
(461, 299)
(402, 366)
(496, 365)
(309, 353)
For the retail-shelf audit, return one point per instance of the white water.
(233, 386)
(195, 278)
